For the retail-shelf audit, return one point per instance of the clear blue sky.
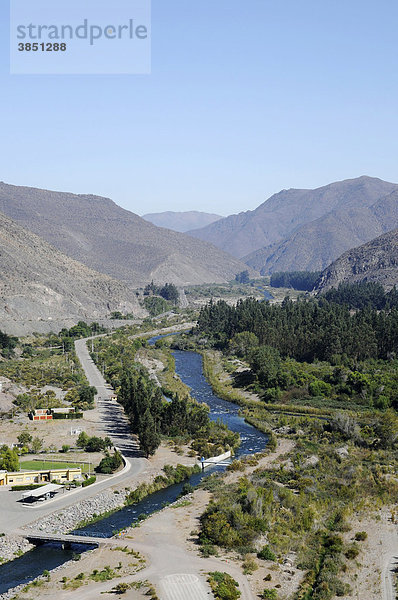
(245, 98)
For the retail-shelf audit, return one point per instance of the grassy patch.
(43, 465)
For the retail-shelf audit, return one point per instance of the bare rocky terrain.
(41, 289)
(114, 241)
(315, 245)
(299, 230)
(375, 261)
(181, 221)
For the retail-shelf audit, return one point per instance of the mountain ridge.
(114, 241)
(317, 244)
(285, 212)
(182, 221)
(374, 261)
(42, 289)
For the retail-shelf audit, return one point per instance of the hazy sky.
(245, 98)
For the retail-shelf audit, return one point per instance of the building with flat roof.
(40, 476)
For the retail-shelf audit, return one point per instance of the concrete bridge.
(66, 540)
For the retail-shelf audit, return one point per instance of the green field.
(33, 465)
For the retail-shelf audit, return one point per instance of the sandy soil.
(368, 573)
(53, 433)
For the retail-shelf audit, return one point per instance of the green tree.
(266, 363)
(86, 395)
(242, 344)
(386, 427)
(24, 438)
(110, 464)
(149, 437)
(37, 445)
(94, 444)
(82, 440)
(242, 277)
(9, 460)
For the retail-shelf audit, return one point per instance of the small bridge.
(65, 539)
(215, 460)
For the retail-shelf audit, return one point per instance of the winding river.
(189, 367)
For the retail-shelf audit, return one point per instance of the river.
(189, 367)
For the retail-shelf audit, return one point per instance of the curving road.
(111, 420)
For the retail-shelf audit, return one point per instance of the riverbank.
(168, 541)
(222, 384)
(12, 546)
(66, 520)
(190, 371)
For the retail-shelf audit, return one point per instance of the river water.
(190, 369)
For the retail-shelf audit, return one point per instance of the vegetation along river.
(190, 370)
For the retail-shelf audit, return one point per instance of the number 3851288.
(42, 47)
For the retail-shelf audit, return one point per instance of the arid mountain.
(181, 221)
(114, 241)
(374, 261)
(285, 212)
(41, 289)
(315, 245)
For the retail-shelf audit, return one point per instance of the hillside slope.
(287, 211)
(41, 289)
(315, 245)
(181, 221)
(376, 261)
(114, 241)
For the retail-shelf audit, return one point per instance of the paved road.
(183, 299)
(110, 419)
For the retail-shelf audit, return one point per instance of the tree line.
(299, 280)
(168, 291)
(305, 330)
(363, 295)
(152, 417)
(7, 344)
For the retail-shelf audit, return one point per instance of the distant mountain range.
(181, 221)
(114, 241)
(307, 229)
(315, 245)
(41, 289)
(376, 261)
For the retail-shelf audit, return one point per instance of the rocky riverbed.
(67, 519)
(12, 546)
(63, 521)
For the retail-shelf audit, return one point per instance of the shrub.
(266, 553)
(208, 550)
(110, 464)
(361, 536)
(223, 586)
(120, 588)
(187, 488)
(319, 388)
(269, 594)
(352, 552)
(89, 481)
(249, 565)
